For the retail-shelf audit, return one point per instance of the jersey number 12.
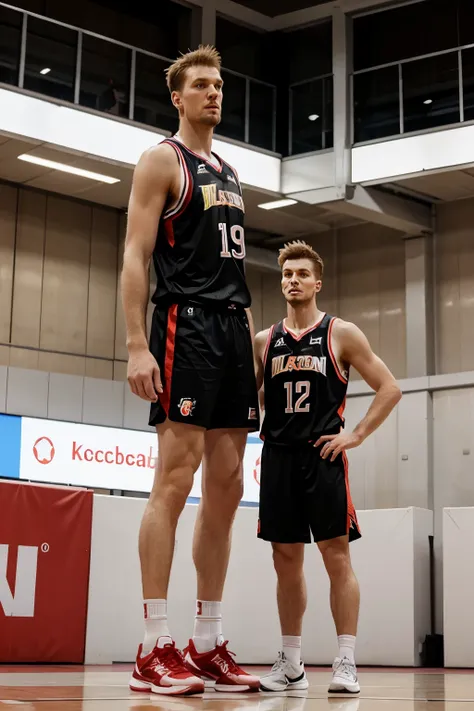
(302, 388)
(237, 237)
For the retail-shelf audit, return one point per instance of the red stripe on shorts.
(169, 356)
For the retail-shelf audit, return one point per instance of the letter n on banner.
(45, 540)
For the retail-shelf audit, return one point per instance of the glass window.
(468, 83)
(105, 76)
(152, 99)
(233, 110)
(466, 21)
(50, 62)
(162, 27)
(308, 52)
(408, 31)
(376, 104)
(262, 99)
(10, 41)
(311, 116)
(431, 92)
(244, 50)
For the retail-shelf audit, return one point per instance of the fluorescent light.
(68, 168)
(46, 70)
(427, 102)
(313, 117)
(277, 203)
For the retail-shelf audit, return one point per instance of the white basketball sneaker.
(284, 676)
(344, 678)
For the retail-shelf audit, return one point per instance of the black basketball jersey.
(200, 247)
(305, 391)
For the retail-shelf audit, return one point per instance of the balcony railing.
(415, 94)
(69, 64)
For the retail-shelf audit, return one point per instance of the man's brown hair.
(204, 55)
(301, 250)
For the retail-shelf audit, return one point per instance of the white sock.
(156, 623)
(347, 645)
(207, 625)
(292, 649)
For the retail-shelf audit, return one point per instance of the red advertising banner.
(45, 540)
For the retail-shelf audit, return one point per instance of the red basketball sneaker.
(218, 670)
(164, 671)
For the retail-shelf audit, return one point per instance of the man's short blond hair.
(204, 56)
(302, 250)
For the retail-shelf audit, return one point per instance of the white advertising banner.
(107, 458)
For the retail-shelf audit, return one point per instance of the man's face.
(299, 283)
(200, 99)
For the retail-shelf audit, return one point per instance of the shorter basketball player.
(303, 364)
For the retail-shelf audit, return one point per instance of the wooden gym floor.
(106, 689)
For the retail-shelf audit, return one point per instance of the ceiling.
(272, 8)
(440, 187)
(266, 228)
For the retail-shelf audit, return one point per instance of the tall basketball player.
(186, 212)
(303, 364)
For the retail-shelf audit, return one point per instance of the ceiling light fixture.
(313, 117)
(427, 102)
(46, 70)
(68, 169)
(277, 203)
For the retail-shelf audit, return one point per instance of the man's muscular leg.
(222, 488)
(345, 594)
(179, 455)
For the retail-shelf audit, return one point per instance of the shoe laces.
(280, 663)
(172, 657)
(227, 655)
(343, 666)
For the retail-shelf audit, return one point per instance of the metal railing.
(120, 77)
(421, 107)
(311, 120)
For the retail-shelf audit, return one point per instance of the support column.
(342, 69)
(203, 29)
(419, 306)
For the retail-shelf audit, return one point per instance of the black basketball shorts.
(302, 495)
(207, 370)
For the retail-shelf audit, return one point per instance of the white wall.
(391, 468)
(453, 467)
(411, 155)
(393, 546)
(458, 583)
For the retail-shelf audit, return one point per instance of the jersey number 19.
(238, 238)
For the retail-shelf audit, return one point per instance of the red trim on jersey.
(351, 512)
(169, 357)
(341, 410)
(267, 345)
(304, 333)
(331, 353)
(187, 191)
(169, 230)
(219, 169)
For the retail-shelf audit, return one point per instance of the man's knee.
(180, 454)
(336, 557)
(288, 559)
(222, 491)
(172, 489)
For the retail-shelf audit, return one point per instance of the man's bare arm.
(259, 354)
(354, 350)
(152, 182)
